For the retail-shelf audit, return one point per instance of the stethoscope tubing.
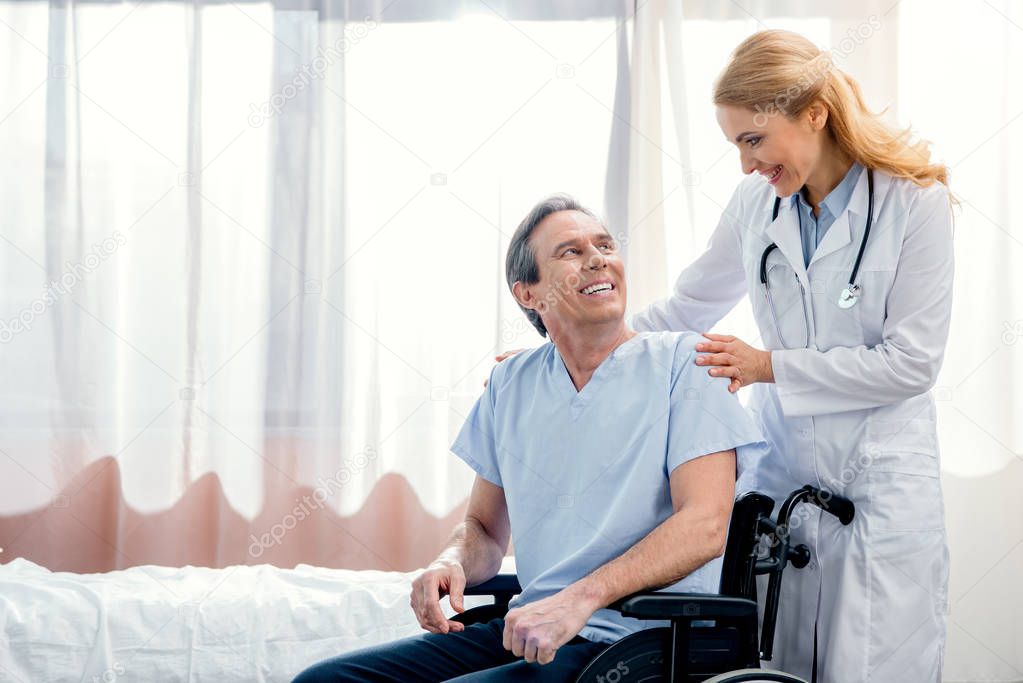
(851, 289)
(863, 242)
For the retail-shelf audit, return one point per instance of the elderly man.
(608, 457)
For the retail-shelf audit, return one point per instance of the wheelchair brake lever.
(799, 556)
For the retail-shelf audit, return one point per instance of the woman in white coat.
(849, 354)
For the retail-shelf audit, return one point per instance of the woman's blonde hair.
(779, 72)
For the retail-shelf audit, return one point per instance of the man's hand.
(442, 577)
(536, 631)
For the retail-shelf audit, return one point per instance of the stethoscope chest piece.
(849, 296)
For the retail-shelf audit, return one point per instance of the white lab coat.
(850, 411)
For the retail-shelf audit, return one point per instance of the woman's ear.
(817, 115)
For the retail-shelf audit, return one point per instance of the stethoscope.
(851, 294)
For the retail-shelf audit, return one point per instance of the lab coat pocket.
(836, 326)
(904, 489)
(906, 446)
(902, 502)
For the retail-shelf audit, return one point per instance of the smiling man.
(607, 455)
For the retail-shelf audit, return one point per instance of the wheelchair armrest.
(500, 583)
(652, 605)
(503, 587)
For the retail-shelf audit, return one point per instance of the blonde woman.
(842, 237)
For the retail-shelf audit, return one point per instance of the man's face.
(582, 277)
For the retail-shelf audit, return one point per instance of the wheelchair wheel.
(754, 676)
(636, 657)
(639, 658)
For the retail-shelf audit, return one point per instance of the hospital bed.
(151, 624)
(711, 638)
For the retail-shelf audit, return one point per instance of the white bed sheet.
(155, 624)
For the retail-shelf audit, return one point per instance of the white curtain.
(970, 102)
(251, 252)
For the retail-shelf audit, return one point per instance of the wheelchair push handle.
(839, 506)
(799, 556)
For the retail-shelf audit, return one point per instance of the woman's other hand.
(502, 356)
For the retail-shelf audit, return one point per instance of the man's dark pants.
(475, 655)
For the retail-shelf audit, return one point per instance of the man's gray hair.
(520, 265)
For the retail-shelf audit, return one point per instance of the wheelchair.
(712, 638)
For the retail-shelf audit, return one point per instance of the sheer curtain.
(251, 260)
(970, 102)
(251, 256)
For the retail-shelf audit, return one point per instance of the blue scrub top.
(585, 473)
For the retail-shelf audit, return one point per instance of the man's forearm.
(677, 547)
(475, 550)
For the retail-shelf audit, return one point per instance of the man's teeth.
(775, 173)
(597, 288)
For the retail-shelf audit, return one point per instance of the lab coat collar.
(839, 234)
(836, 237)
(849, 226)
(784, 231)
